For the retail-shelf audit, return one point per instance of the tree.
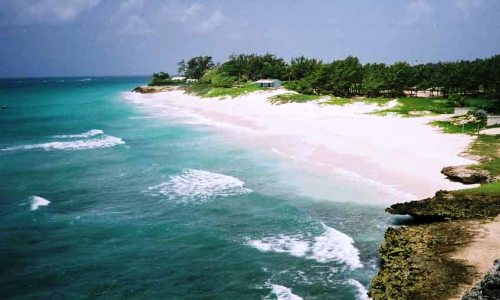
(374, 79)
(343, 77)
(301, 67)
(400, 78)
(196, 66)
(161, 79)
(181, 67)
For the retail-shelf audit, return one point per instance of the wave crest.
(87, 134)
(282, 293)
(332, 245)
(362, 292)
(37, 201)
(97, 143)
(199, 186)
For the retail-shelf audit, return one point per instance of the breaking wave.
(37, 201)
(332, 245)
(87, 134)
(362, 292)
(97, 143)
(198, 186)
(282, 293)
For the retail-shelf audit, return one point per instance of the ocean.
(101, 199)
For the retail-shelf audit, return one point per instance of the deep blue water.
(148, 208)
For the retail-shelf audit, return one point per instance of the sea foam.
(105, 141)
(389, 189)
(282, 293)
(87, 134)
(362, 292)
(332, 245)
(37, 201)
(197, 186)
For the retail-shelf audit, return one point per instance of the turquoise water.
(149, 208)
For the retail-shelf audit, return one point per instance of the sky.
(137, 37)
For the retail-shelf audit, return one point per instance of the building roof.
(267, 80)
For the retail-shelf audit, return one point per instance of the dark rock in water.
(457, 205)
(467, 176)
(488, 288)
(4, 107)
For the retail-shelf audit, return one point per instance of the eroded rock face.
(467, 176)
(415, 262)
(488, 288)
(450, 206)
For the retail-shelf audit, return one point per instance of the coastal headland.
(451, 240)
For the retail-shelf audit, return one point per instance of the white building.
(268, 83)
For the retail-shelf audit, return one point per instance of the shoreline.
(349, 142)
(404, 163)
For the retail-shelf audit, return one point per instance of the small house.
(178, 78)
(492, 120)
(461, 111)
(268, 83)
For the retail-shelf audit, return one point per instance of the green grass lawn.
(449, 127)
(345, 101)
(292, 98)
(489, 188)
(208, 91)
(408, 106)
(489, 146)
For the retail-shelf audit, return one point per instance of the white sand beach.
(403, 156)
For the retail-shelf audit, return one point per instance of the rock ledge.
(465, 175)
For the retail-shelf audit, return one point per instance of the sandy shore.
(401, 157)
(481, 252)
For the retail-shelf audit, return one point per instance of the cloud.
(136, 25)
(140, 17)
(416, 11)
(191, 12)
(131, 5)
(194, 17)
(24, 12)
(465, 6)
(211, 22)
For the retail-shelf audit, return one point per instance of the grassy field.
(292, 98)
(449, 127)
(489, 188)
(208, 91)
(411, 106)
(488, 146)
(345, 101)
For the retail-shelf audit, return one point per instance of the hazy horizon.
(51, 38)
